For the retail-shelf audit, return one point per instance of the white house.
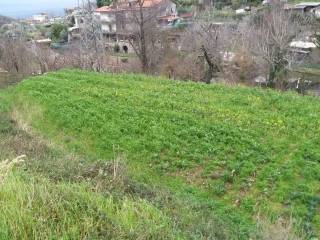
(117, 18)
(303, 45)
(77, 17)
(41, 18)
(107, 17)
(316, 12)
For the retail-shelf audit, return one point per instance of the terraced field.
(138, 157)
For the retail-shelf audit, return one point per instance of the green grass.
(309, 70)
(204, 161)
(34, 208)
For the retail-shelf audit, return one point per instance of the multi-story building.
(40, 18)
(118, 19)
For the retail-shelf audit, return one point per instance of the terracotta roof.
(168, 18)
(151, 3)
(186, 15)
(128, 5)
(104, 9)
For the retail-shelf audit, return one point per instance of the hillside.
(131, 156)
(5, 20)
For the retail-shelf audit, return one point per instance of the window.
(125, 49)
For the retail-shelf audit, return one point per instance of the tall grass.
(35, 208)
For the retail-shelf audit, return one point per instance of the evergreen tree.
(101, 3)
(318, 40)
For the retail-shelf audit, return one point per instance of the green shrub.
(58, 31)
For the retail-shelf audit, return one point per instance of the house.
(42, 43)
(302, 48)
(316, 11)
(307, 6)
(76, 17)
(303, 45)
(73, 33)
(40, 18)
(267, 2)
(46, 41)
(243, 11)
(117, 19)
(168, 21)
(187, 16)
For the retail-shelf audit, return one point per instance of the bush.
(245, 69)
(56, 30)
(219, 5)
(63, 36)
(101, 3)
(236, 4)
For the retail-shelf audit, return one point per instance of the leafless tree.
(146, 38)
(43, 57)
(18, 55)
(268, 35)
(15, 56)
(209, 42)
(92, 48)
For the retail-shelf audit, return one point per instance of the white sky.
(24, 8)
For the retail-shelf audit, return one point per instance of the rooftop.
(302, 45)
(169, 18)
(308, 4)
(47, 40)
(127, 5)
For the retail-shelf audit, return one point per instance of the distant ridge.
(5, 20)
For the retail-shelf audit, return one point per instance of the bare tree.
(18, 55)
(42, 55)
(15, 55)
(268, 35)
(141, 48)
(208, 42)
(92, 48)
(145, 35)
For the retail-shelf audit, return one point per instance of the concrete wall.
(107, 17)
(108, 22)
(108, 27)
(40, 18)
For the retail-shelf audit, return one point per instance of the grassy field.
(136, 157)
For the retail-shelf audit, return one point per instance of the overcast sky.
(25, 8)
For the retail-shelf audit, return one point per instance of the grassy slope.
(197, 154)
